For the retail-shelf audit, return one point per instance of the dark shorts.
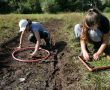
(43, 35)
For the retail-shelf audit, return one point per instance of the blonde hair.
(92, 18)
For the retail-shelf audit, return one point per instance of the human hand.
(40, 48)
(95, 56)
(33, 54)
(86, 56)
(19, 47)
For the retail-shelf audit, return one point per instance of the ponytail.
(29, 21)
(29, 24)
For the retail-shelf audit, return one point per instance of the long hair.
(92, 18)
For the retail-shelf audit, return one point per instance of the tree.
(50, 6)
(14, 5)
(4, 7)
(35, 6)
(25, 6)
(84, 5)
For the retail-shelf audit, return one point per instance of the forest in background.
(51, 6)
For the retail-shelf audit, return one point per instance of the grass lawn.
(100, 62)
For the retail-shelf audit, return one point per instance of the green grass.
(102, 62)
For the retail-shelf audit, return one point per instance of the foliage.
(4, 7)
(107, 9)
(20, 6)
(35, 6)
(107, 3)
(50, 6)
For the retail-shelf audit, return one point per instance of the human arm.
(84, 51)
(37, 43)
(21, 39)
(105, 41)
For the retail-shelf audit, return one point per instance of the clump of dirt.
(55, 74)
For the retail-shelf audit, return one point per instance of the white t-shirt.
(95, 35)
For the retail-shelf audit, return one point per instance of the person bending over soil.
(94, 28)
(37, 32)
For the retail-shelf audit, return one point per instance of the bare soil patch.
(55, 74)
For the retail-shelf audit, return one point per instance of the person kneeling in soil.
(94, 28)
(37, 32)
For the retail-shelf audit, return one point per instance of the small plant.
(101, 62)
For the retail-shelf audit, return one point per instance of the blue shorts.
(43, 35)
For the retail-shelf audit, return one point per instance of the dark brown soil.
(25, 54)
(54, 74)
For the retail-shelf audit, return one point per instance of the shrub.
(24, 8)
(4, 7)
(107, 9)
(50, 6)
